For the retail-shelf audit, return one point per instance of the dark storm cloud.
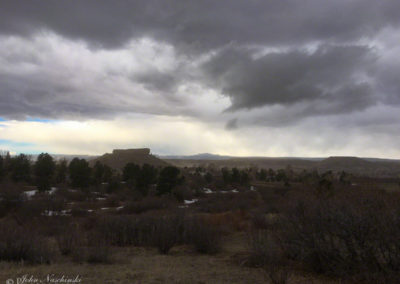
(327, 75)
(345, 101)
(388, 82)
(333, 77)
(200, 24)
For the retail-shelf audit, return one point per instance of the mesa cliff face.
(120, 157)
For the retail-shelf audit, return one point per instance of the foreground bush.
(94, 251)
(162, 232)
(68, 240)
(205, 238)
(124, 230)
(19, 244)
(223, 202)
(168, 231)
(346, 236)
(264, 249)
(266, 253)
(148, 204)
(42, 204)
(11, 198)
(97, 250)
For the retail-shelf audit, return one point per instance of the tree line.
(46, 172)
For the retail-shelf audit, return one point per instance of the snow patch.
(30, 193)
(53, 190)
(207, 190)
(56, 213)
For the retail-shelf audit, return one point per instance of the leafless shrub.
(99, 252)
(19, 244)
(11, 198)
(277, 275)
(230, 201)
(264, 249)
(95, 251)
(346, 235)
(122, 230)
(162, 232)
(78, 212)
(42, 205)
(69, 240)
(182, 193)
(206, 238)
(112, 201)
(148, 204)
(165, 234)
(261, 220)
(75, 195)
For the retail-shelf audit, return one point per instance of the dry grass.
(146, 265)
(138, 265)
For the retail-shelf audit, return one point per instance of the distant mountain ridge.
(202, 156)
(363, 166)
(344, 162)
(356, 165)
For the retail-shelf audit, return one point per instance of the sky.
(305, 78)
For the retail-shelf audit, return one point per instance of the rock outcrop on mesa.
(120, 157)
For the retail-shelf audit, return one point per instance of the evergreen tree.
(244, 177)
(7, 162)
(235, 178)
(44, 171)
(226, 175)
(168, 179)
(21, 168)
(79, 172)
(98, 172)
(262, 175)
(101, 173)
(107, 174)
(61, 171)
(130, 173)
(208, 177)
(146, 177)
(2, 171)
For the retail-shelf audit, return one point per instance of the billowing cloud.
(333, 76)
(51, 77)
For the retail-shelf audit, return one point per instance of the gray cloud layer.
(201, 24)
(312, 58)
